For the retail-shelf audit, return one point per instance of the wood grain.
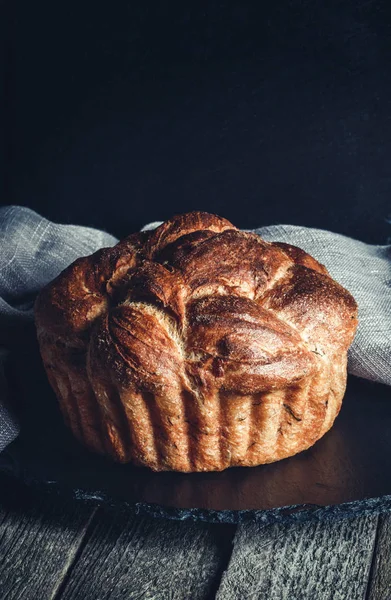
(134, 557)
(300, 561)
(55, 548)
(380, 583)
(40, 535)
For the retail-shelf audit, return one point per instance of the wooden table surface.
(56, 547)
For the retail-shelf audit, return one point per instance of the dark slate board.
(348, 469)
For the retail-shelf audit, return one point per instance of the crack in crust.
(196, 346)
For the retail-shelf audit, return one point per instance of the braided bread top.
(201, 299)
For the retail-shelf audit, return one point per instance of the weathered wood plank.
(300, 561)
(380, 583)
(40, 535)
(137, 557)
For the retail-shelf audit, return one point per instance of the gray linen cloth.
(33, 250)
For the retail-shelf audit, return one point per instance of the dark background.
(119, 113)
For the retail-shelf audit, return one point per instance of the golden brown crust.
(196, 347)
(300, 257)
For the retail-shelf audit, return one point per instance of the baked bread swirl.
(196, 347)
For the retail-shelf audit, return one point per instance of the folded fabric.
(33, 250)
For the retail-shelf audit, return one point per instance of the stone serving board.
(349, 469)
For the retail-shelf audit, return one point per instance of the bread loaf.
(196, 347)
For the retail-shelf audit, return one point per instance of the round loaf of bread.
(196, 347)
